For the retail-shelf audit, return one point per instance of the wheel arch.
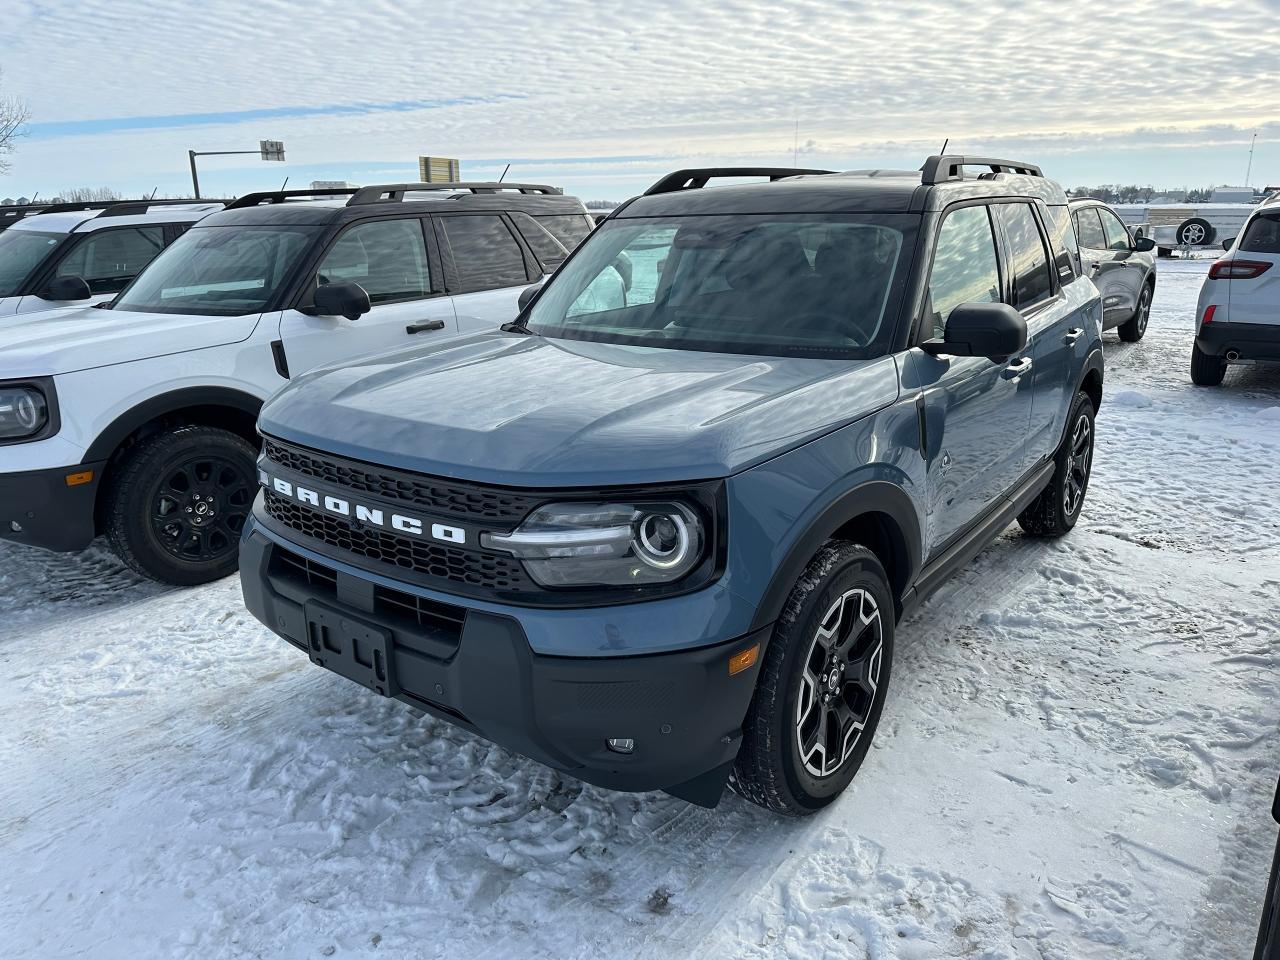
(877, 514)
(1091, 379)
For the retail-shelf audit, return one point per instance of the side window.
(109, 259)
(549, 251)
(485, 253)
(1117, 235)
(1066, 249)
(1027, 257)
(965, 265)
(1262, 235)
(386, 257)
(569, 229)
(1090, 229)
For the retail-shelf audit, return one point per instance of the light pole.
(268, 149)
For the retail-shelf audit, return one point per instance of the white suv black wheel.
(822, 685)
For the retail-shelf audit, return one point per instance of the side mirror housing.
(67, 288)
(343, 299)
(1228, 243)
(1144, 244)
(992, 330)
(527, 294)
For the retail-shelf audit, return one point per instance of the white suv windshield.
(229, 270)
(774, 284)
(21, 252)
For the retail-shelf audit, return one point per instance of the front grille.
(433, 561)
(432, 494)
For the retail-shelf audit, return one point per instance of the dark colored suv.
(662, 537)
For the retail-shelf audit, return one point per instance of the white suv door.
(487, 267)
(390, 258)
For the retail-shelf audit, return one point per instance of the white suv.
(137, 421)
(71, 255)
(1238, 317)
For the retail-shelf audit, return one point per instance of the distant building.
(333, 185)
(439, 170)
(1225, 194)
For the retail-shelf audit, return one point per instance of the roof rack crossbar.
(696, 178)
(280, 196)
(943, 167)
(395, 192)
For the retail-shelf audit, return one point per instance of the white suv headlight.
(606, 544)
(24, 412)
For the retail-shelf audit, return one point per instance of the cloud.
(355, 86)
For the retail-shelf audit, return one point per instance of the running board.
(937, 571)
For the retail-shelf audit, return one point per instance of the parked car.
(66, 258)
(1238, 316)
(1268, 943)
(664, 541)
(1123, 268)
(138, 421)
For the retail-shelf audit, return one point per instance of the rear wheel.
(1207, 370)
(178, 503)
(1131, 330)
(1056, 510)
(822, 685)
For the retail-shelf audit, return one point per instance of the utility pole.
(267, 149)
(1249, 171)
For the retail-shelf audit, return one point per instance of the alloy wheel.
(1080, 458)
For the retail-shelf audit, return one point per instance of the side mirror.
(992, 330)
(67, 288)
(343, 299)
(1144, 244)
(527, 294)
(1228, 243)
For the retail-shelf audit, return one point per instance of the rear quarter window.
(1262, 235)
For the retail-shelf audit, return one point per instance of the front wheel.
(178, 502)
(1206, 369)
(1055, 511)
(822, 685)
(1131, 330)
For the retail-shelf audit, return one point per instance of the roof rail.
(128, 208)
(280, 196)
(394, 192)
(696, 178)
(941, 168)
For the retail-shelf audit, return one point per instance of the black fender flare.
(1093, 363)
(109, 440)
(873, 496)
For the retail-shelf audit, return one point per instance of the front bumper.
(1252, 341)
(39, 509)
(475, 668)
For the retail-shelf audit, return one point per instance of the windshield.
(815, 285)
(21, 251)
(230, 270)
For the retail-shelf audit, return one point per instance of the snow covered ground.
(1075, 761)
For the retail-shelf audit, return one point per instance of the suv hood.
(63, 341)
(532, 412)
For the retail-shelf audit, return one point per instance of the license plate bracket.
(351, 647)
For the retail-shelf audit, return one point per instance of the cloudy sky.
(602, 97)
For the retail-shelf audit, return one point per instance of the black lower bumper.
(683, 711)
(39, 509)
(1252, 341)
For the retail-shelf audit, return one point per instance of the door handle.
(1015, 370)
(422, 326)
(1074, 334)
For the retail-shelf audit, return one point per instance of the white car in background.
(1238, 316)
(61, 259)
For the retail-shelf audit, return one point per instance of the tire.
(844, 587)
(1207, 370)
(1131, 330)
(1196, 232)
(177, 503)
(1056, 510)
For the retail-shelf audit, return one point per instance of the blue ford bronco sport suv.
(659, 530)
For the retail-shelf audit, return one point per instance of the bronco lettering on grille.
(372, 516)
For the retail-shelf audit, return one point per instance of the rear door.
(1104, 266)
(976, 411)
(1256, 299)
(393, 260)
(486, 268)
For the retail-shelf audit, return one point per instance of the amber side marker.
(76, 479)
(744, 660)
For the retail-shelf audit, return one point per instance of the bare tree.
(13, 120)
(89, 194)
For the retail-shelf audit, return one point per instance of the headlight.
(24, 412)
(610, 544)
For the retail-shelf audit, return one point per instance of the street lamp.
(268, 149)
